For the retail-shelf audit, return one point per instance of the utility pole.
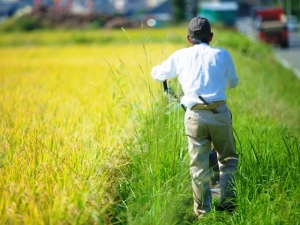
(178, 10)
(191, 8)
(289, 7)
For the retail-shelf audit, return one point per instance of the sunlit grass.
(87, 137)
(63, 116)
(101, 37)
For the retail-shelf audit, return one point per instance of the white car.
(292, 23)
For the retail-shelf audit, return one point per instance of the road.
(288, 57)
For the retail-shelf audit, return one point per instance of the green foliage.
(158, 173)
(24, 24)
(156, 188)
(149, 170)
(95, 24)
(178, 10)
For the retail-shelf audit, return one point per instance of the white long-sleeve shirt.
(201, 70)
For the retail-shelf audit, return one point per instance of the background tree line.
(183, 9)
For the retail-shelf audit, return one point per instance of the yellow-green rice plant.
(64, 111)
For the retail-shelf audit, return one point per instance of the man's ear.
(211, 36)
(189, 40)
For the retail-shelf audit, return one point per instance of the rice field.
(87, 137)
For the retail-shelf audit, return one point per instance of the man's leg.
(199, 149)
(227, 184)
(223, 140)
(199, 169)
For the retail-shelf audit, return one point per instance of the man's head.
(199, 31)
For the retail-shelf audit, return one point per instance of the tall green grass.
(265, 106)
(125, 161)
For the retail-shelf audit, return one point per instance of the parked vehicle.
(271, 26)
(292, 23)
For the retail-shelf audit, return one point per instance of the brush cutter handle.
(165, 85)
(171, 95)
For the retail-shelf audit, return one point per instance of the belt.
(211, 105)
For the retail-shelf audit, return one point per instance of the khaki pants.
(203, 127)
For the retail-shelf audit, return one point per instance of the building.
(107, 6)
(219, 11)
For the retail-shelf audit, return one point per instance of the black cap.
(199, 28)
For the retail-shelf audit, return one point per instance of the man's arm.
(165, 70)
(231, 77)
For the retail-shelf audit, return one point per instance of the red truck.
(271, 26)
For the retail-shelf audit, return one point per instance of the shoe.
(199, 213)
(229, 208)
(200, 216)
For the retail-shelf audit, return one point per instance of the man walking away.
(205, 72)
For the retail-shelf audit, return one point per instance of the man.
(204, 73)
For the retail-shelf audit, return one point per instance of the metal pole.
(289, 7)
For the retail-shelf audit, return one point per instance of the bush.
(24, 24)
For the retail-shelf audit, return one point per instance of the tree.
(191, 8)
(290, 6)
(178, 10)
